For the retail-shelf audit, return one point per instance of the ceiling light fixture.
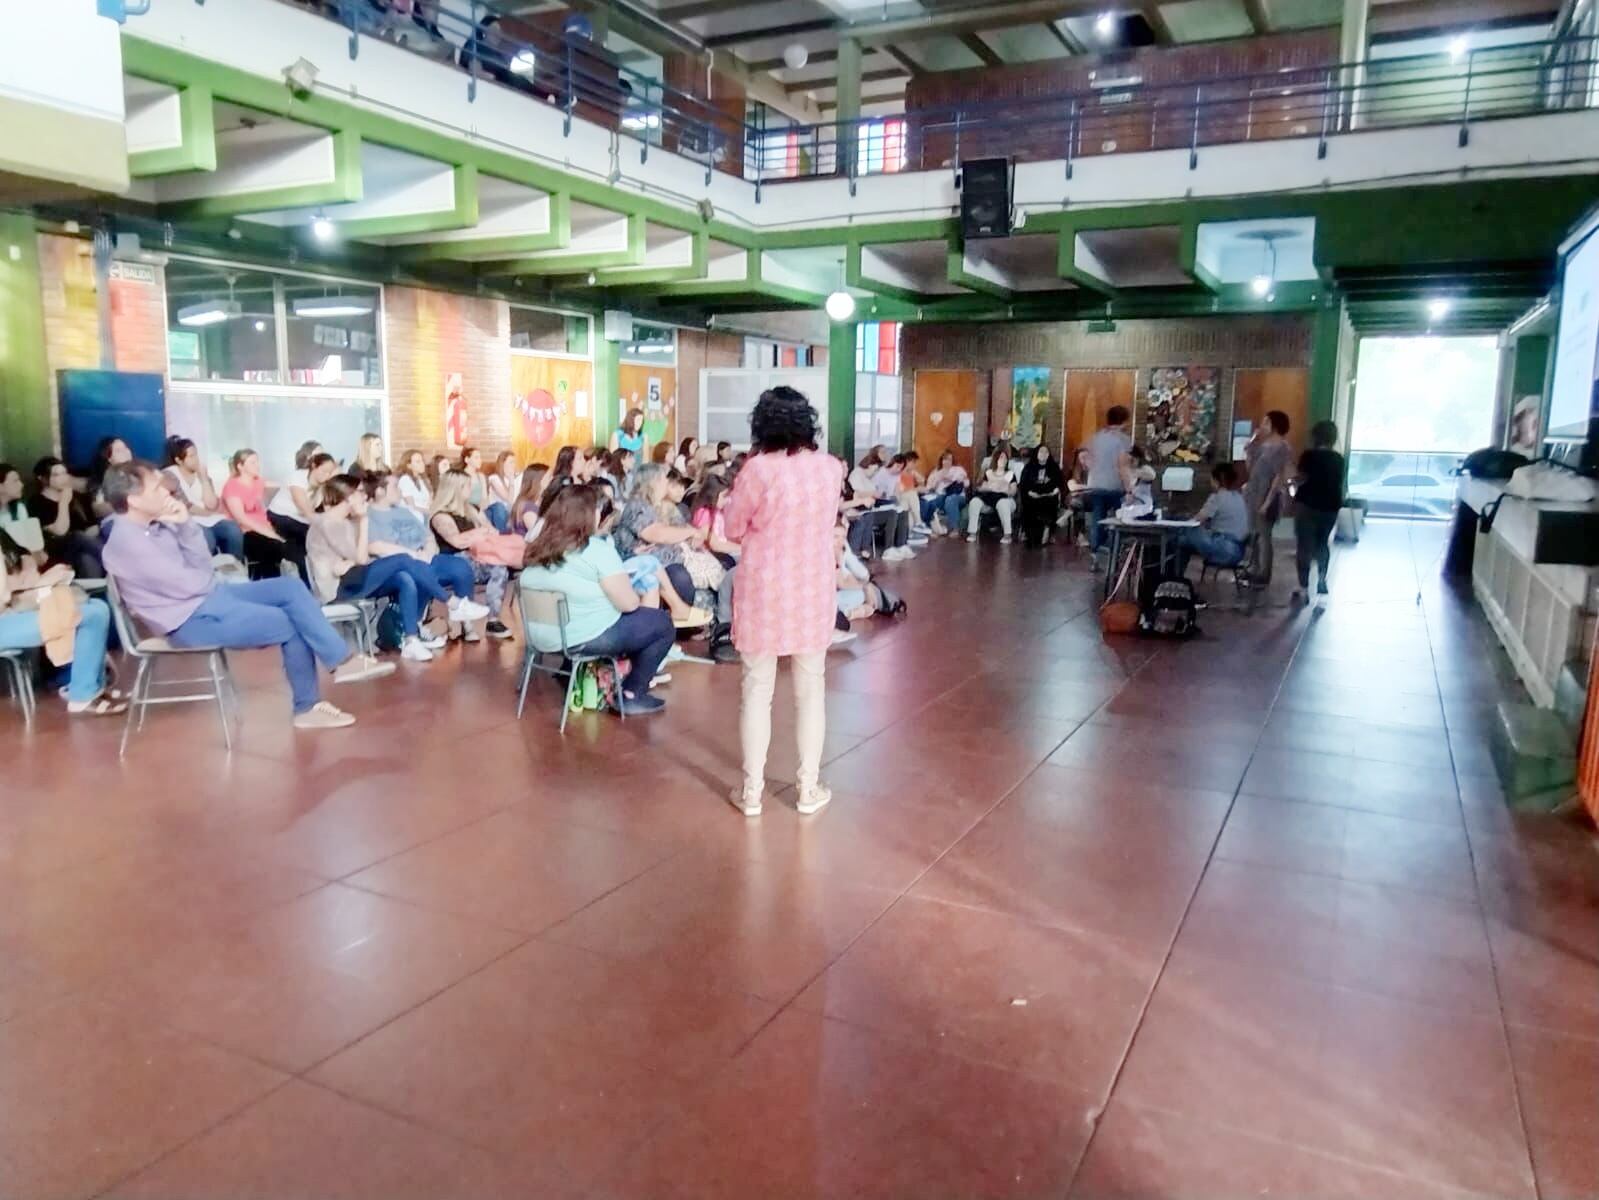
(1459, 47)
(1437, 309)
(1105, 26)
(840, 305)
(322, 227)
(1264, 283)
(795, 56)
(332, 306)
(209, 312)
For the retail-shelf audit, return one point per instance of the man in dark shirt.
(1316, 505)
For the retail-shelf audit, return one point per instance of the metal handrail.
(1516, 79)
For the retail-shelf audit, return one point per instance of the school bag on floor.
(1170, 610)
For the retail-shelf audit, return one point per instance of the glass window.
(549, 332)
(221, 322)
(272, 426)
(332, 333)
(655, 345)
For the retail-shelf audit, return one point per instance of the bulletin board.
(553, 405)
(652, 388)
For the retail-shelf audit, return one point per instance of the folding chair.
(19, 670)
(362, 618)
(147, 651)
(548, 609)
(1238, 570)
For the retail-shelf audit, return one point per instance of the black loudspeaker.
(985, 198)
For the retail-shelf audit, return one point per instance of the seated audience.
(470, 464)
(651, 523)
(368, 455)
(707, 516)
(658, 585)
(1223, 523)
(459, 528)
(629, 435)
(265, 549)
(944, 496)
(605, 615)
(391, 524)
(525, 508)
(1142, 489)
(71, 533)
(996, 492)
(707, 460)
(108, 452)
(438, 468)
(858, 595)
(724, 453)
(294, 503)
(502, 487)
(872, 513)
(1040, 491)
(21, 528)
(661, 453)
(616, 469)
(163, 571)
(416, 490)
(190, 482)
(687, 450)
(39, 609)
(346, 564)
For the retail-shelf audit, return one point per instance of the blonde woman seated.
(346, 564)
(395, 526)
(997, 491)
(459, 526)
(368, 455)
(605, 615)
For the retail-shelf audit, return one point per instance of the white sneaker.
(361, 668)
(435, 642)
(412, 650)
(747, 802)
(323, 715)
(916, 540)
(906, 553)
(463, 610)
(842, 637)
(971, 537)
(812, 800)
(1005, 541)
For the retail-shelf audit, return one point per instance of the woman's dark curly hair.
(783, 420)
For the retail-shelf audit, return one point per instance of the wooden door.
(1090, 394)
(1256, 391)
(940, 398)
(654, 390)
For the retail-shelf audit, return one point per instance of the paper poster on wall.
(455, 414)
(1029, 402)
(550, 406)
(963, 428)
(1181, 423)
(652, 390)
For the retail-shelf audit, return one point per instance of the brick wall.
(1224, 342)
(1157, 113)
(697, 349)
(432, 335)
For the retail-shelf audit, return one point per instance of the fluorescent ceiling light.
(524, 62)
(332, 306)
(1105, 26)
(1458, 47)
(322, 228)
(209, 312)
(1260, 284)
(1438, 309)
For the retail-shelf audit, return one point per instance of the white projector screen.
(1577, 344)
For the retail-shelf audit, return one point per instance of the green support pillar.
(848, 96)
(607, 389)
(26, 432)
(1324, 340)
(841, 389)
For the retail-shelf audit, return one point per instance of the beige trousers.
(755, 715)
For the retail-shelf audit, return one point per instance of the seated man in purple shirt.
(162, 568)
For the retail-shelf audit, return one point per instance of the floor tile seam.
(1165, 961)
(1252, 794)
(1409, 889)
(192, 1139)
(1482, 910)
(1255, 1134)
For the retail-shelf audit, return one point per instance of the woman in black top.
(1042, 487)
(1316, 503)
(70, 533)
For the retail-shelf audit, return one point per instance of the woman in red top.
(265, 549)
(781, 513)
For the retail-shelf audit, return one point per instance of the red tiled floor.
(1241, 915)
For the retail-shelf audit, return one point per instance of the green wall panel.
(26, 431)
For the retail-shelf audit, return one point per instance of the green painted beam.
(463, 214)
(343, 188)
(26, 430)
(198, 149)
(625, 276)
(841, 390)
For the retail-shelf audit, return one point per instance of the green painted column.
(1324, 340)
(26, 432)
(841, 389)
(849, 103)
(607, 388)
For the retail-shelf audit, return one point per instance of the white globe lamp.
(841, 306)
(795, 56)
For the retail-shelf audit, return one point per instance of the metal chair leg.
(212, 661)
(566, 703)
(135, 703)
(616, 674)
(527, 678)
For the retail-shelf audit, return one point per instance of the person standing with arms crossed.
(781, 511)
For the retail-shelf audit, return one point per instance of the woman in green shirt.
(604, 613)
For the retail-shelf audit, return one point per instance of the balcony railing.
(1459, 88)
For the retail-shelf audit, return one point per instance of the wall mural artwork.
(550, 402)
(1180, 421)
(654, 390)
(1029, 403)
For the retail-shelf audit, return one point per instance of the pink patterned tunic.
(781, 511)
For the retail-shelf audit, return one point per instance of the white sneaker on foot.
(412, 650)
(433, 643)
(746, 801)
(1005, 541)
(360, 668)
(323, 715)
(462, 609)
(812, 800)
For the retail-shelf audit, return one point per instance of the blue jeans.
(949, 503)
(20, 631)
(499, 516)
(454, 574)
(1102, 502)
(409, 582)
(644, 637)
(225, 537)
(268, 612)
(1213, 548)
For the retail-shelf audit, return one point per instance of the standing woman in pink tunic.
(781, 511)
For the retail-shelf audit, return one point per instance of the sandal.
(101, 706)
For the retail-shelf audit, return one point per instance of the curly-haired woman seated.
(605, 615)
(651, 523)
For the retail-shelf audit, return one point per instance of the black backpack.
(1170, 610)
